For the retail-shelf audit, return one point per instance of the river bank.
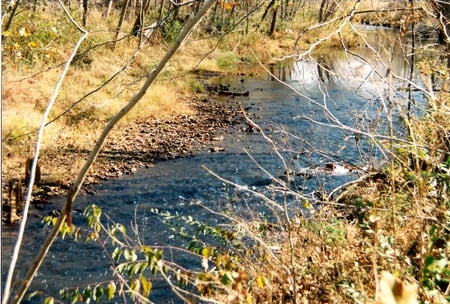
(284, 239)
(130, 146)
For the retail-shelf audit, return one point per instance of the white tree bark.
(52, 100)
(66, 214)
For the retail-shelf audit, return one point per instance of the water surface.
(300, 115)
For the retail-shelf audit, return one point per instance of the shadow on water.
(314, 118)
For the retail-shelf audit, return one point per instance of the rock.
(216, 149)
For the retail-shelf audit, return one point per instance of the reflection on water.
(370, 63)
(337, 89)
(366, 66)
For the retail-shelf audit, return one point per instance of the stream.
(304, 116)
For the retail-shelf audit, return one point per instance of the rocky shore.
(135, 145)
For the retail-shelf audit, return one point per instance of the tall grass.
(331, 249)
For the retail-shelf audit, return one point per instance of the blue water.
(180, 186)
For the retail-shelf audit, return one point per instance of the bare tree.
(121, 19)
(327, 9)
(66, 216)
(109, 7)
(11, 9)
(85, 5)
(442, 9)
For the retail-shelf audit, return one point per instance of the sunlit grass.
(395, 222)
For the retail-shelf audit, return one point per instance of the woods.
(81, 79)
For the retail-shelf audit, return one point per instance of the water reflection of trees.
(382, 52)
(281, 72)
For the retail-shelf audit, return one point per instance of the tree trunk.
(108, 8)
(327, 9)
(274, 21)
(442, 9)
(139, 23)
(133, 8)
(121, 19)
(267, 9)
(11, 16)
(85, 12)
(445, 10)
(161, 7)
(66, 215)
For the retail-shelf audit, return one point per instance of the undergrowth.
(395, 220)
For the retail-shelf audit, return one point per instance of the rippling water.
(354, 96)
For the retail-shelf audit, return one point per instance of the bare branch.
(66, 214)
(25, 284)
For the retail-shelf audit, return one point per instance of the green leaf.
(142, 267)
(428, 261)
(132, 269)
(135, 285)
(146, 286)
(147, 249)
(227, 278)
(111, 290)
(155, 269)
(192, 244)
(47, 221)
(74, 296)
(31, 295)
(65, 229)
(121, 228)
(206, 252)
(117, 253)
(120, 268)
(165, 269)
(98, 293)
(159, 255)
(49, 300)
(86, 294)
(130, 255)
(260, 281)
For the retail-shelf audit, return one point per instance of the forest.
(98, 91)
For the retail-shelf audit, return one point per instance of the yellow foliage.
(260, 282)
(33, 44)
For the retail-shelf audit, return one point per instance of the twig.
(66, 215)
(26, 282)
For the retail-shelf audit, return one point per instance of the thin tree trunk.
(85, 12)
(274, 21)
(121, 19)
(442, 9)
(161, 10)
(138, 27)
(108, 8)
(133, 8)
(411, 64)
(322, 10)
(141, 21)
(11, 16)
(66, 215)
(271, 4)
(176, 8)
(26, 282)
(327, 8)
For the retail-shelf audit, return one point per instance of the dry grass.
(395, 221)
(341, 253)
(333, 256)
(90, 95)
(27, 89)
